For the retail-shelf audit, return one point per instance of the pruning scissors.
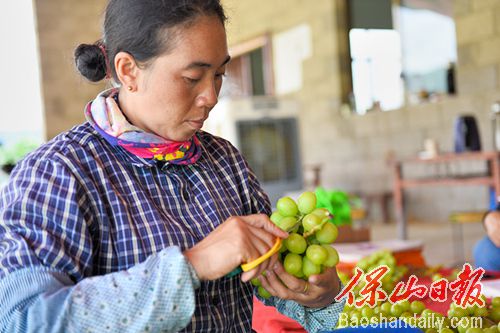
(254, 263)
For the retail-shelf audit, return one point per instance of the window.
(376, 69)
(428, 70)
(402, 53)
(250, 71)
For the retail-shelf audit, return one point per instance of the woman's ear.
(126, 70)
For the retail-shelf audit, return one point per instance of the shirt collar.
(150, 163)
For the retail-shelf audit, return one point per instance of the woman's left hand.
(319, 291)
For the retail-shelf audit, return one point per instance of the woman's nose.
(209, 96)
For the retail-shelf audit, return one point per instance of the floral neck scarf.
(105, 116)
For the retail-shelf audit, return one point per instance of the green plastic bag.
(337, 202)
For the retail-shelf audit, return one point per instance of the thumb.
(325, 279)
(262, 221)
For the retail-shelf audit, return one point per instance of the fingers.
(327, 279)
(266, 265)
(256, 247)
(322, 279)
(272, 282)
(316, 292)
(261, 234)
(262, 221)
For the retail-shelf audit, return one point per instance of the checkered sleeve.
(45, 220)
(154, 296)
(46, 252)
(313, 320)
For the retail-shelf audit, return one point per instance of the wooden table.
(491, 178)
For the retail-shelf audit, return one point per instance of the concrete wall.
(62, 26)
(351, 149)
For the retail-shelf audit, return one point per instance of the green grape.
(263, 292)
(463, 325)
(306, 202)
(287, 207)
(293, 263)
(474, 330)
(356, 315)
(417, 307)
(295, 243)
(385, 308)
(322, 213)
(431, 330)
(472, 309)
(405, 314)
(333, 257)
(317, 254)
(309, 268)
(300, 274)
(495, 314)
(446, 330)
(396, 310)
(310, 221)
(363, 264)
(312, 240)
(344, 278)
(283, 248)
(327, 234)
(405, 305)
(426, 313)
(490, 330)
(480, 312)
(457, 312)
(348, 308)
(287, 223)
(367, 312)
(495, 302)
(276, 218)
(255, 282)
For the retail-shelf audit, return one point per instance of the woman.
(131, 221)
(487, 250)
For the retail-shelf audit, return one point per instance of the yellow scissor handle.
(254, 263)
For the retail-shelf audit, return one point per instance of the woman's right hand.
(240, 239)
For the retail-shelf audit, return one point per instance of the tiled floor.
(437, 238)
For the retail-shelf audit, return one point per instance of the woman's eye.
(191, 80)
(220, 75)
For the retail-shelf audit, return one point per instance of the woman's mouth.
(197, 124)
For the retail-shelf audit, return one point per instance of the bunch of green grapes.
(307, 250)
(489, 313)
(376, 259)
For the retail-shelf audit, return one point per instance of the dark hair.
(140, 28)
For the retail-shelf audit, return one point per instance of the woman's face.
(176, 92)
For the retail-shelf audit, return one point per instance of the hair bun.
(90, 62)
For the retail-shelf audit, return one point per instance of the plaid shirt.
(83, 208)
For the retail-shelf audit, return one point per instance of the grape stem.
(314, 229)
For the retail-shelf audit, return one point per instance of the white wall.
(21, 113)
